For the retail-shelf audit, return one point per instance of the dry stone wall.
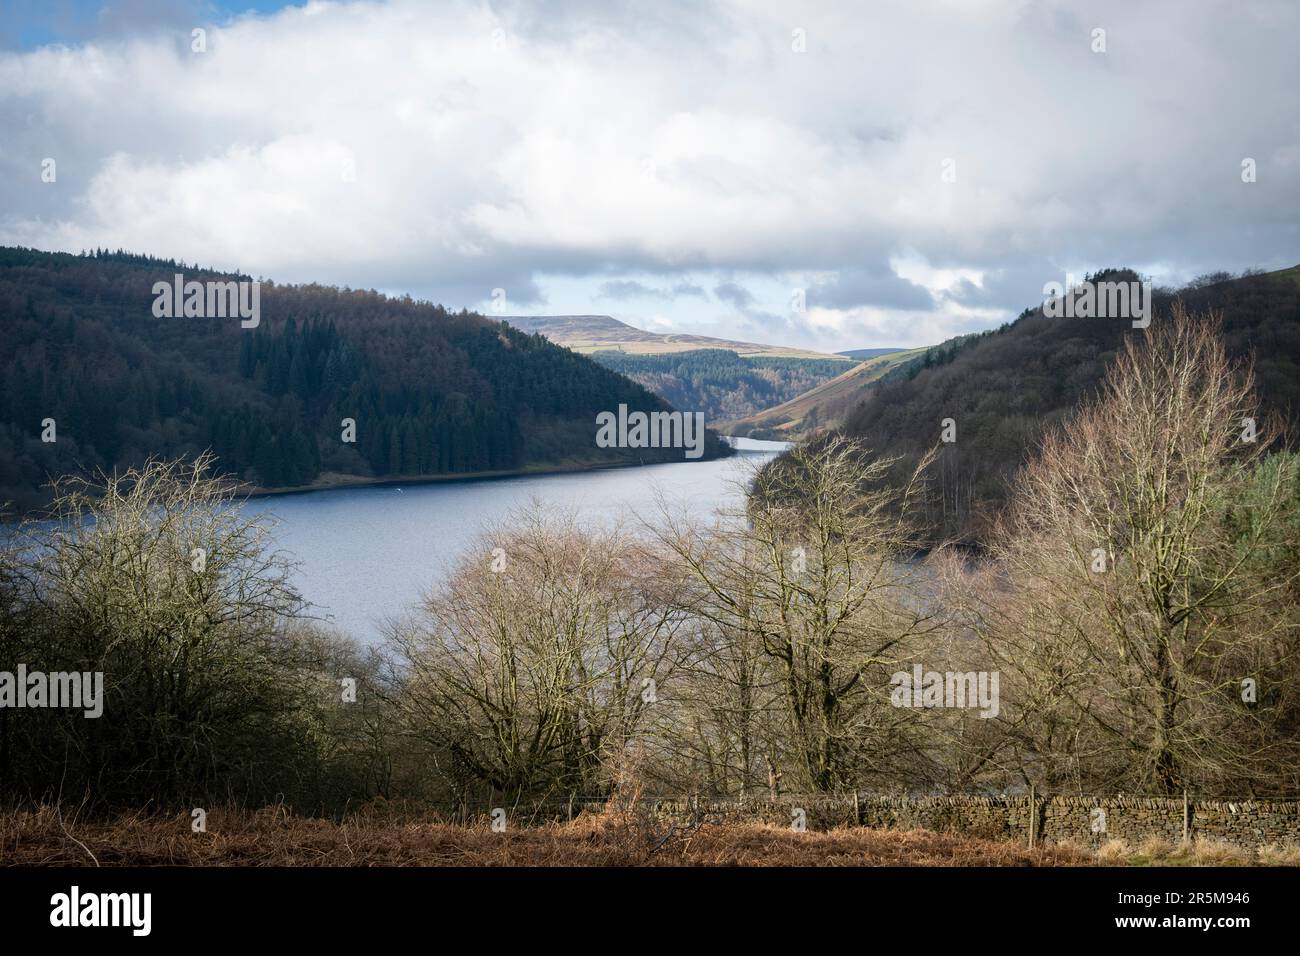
(1247, 823)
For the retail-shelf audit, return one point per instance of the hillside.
(823, 407)
(431, 392)
(1005, 387)
(592, 333)
(721, 383)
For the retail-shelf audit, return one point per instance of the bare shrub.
(534, 677)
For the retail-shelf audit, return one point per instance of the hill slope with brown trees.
(1006, 388)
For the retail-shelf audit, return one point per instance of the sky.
(822, 175)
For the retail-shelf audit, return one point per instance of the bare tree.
(1126, 605)
(816, 573)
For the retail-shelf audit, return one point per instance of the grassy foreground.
(273, 837)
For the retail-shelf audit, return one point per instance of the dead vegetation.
(272, 837)
(623, 833)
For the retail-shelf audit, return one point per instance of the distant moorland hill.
(725, 379)
(91, 379)
(721, 383)
(592, 333)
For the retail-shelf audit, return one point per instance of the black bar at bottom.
(576, 907)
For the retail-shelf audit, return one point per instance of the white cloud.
(409, 147)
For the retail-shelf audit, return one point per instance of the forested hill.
(720, 383)
(431, 392)
(1005, 387)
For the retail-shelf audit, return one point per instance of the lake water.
(367, 554)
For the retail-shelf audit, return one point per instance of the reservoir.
(367, 554)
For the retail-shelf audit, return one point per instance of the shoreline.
(248, 492)
(389, 481)
(245, 492)
(468, 476)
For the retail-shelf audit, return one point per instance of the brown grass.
(1205, 851)
(1276, 855)
(274, 838)
(380, 836)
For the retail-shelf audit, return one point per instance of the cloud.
(621, 289)
(629, 289)
(737, 295)
(449, 149)
(686, 289)
(855, 287)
